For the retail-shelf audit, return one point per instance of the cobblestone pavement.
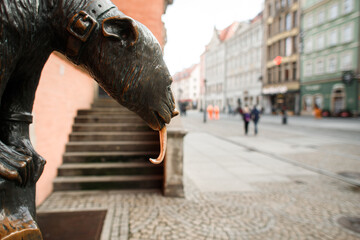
(305, 208)
(235, 191)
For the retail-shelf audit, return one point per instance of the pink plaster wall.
(63, 89)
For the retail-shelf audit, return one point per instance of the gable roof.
(228, 32)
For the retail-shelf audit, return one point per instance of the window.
(269, 9)
(288, 46)
(346, 61)
(287, 72)
(320, 41)
(279, 48)
(318, 101)
(308, 45)
(279, 73)
(269, 30)
(295, 20)
(347, 33)
(333, 11)
(309, 21)
(270, 75)
(294, 71)
(283, 2)
(295, 44)
(333, 36)
(308, 69)
(332, 64)
(320, 66)
(288, 22)
(308, 102)
(280, 24)
(321, 17)
(348, 6)
(289, 2)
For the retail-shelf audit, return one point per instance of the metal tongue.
(163, 141)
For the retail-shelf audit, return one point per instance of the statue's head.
(126, 60)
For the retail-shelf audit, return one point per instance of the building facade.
(330, 60)
(187, 86)
(215, 66)
(281, 77)
(243, 67)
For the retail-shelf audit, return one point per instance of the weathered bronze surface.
(120, 53)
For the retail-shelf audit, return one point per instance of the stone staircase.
(109, 150)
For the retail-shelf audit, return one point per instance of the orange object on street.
(317, 113)
(210, 110)
(216, 111)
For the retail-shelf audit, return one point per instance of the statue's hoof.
(17, 229)
(25, 234)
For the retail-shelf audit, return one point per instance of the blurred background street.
(327, 146)
(288, 182)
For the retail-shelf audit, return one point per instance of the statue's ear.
(123, 28)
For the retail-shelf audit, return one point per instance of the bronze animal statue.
(120, 53)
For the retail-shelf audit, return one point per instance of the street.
(294, 181)
(326, 146)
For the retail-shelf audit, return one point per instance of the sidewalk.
(232, 192)
(347, 124)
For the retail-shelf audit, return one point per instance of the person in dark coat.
(246, 117)
(255, 116)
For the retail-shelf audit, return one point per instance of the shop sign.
(275, 90)
(278, 60)
(312, 88)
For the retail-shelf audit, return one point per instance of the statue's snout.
(174, 113)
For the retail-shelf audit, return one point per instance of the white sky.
(190, 25)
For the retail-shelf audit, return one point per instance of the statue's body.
(120, 53)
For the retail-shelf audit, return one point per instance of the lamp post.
(205, 101)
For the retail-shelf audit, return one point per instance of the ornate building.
(330, 51)
(233, 65)
(281, 78)
(215, 65)
(186, 86)
(244, 65)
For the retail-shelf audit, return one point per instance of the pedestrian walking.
(255, 116)
(246, 118)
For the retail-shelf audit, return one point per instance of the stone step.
(93, 157)
(124, 146)
(102, 111)
(110, 127)
(114, 136)
(107, 182)
(109, 119)
(106, 103)
(116, 168)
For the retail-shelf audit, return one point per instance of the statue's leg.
(17, 185)
(15, 116)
